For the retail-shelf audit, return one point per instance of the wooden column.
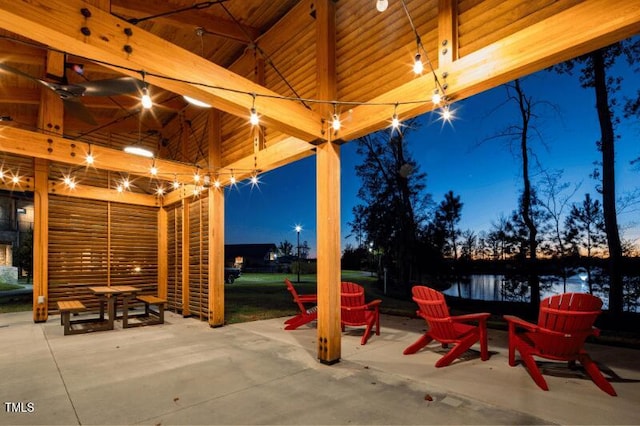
(216, 227)
(50, 118)
(163, 249)
(186, 230)
(327, 193)
(40, 241)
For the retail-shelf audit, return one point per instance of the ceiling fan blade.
(16, 71)
(111, 87)
(77, 109)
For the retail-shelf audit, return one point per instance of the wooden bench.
(85, 325)
(150, 316)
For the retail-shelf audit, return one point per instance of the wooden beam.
(447, 32)
(186, 231)
(40, 242)
(587, 26)
(142, 50)
(216, 228)
(55, 148)
(163, 249)
(103, 194)
(188, 20)
(50, 116)
(328, 195)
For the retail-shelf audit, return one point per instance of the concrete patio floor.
(184, 372)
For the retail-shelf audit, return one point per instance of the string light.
(154, 169)
(217, 184)
(395, 121)
(335, 122)
(196, 177)
(146, 99)
(436, 98)
(159, 191)
(418, 66)
(15, 179)
(89, 159)
(253, 118)
(176, 184)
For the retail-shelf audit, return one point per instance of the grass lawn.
(256, 296)
(6, 287)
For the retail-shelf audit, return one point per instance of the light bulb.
(67, 180)
(153, 171)
(176, 184)
(72, 185)
(146, 99)
(395, 121)
(382, 5)
(196, 177)
(436, 98)
(160, 191)
(253, 118)
(217, 184)
(418, 67)
(336, 122)
(126, 183)
(232, 179)
(89, 159)
(15, 179)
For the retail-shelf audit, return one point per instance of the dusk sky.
(458, 157)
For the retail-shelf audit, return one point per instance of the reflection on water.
(500, 288)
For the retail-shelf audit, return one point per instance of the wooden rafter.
(108, 43)
(589, 25)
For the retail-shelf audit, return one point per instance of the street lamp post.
(298, 229)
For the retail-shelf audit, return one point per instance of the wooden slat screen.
(134, 246)
(174, 254)
(198, 241)
(81, 233)
(78, 256)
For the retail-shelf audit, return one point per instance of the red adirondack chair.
(356, 312)
(306, 315)
(447, 329)
(564, 323)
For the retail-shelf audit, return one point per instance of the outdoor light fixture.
(436, 98)
(298, 228)
(382, 5)
(418, 66)
(196, 102)
(253, 118)
(138, 150)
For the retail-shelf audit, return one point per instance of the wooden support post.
(163, 249)
(41, 241)
(186, 230)
(216, 227)
(50, 118)
(328, 224)
(327, 192)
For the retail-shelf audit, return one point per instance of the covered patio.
(311, 74)
(182, 372)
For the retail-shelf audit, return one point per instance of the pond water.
(499, 288)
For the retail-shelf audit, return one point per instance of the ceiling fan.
(71, 93)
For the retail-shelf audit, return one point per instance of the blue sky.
(456, 157)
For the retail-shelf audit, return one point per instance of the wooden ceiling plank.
(583, 28)
(107, 43)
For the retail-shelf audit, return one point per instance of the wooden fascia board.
(37, 145)
(583, 28)
(107, 43)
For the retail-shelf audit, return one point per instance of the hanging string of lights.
(437, 99)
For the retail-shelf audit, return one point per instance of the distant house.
(251, 257)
